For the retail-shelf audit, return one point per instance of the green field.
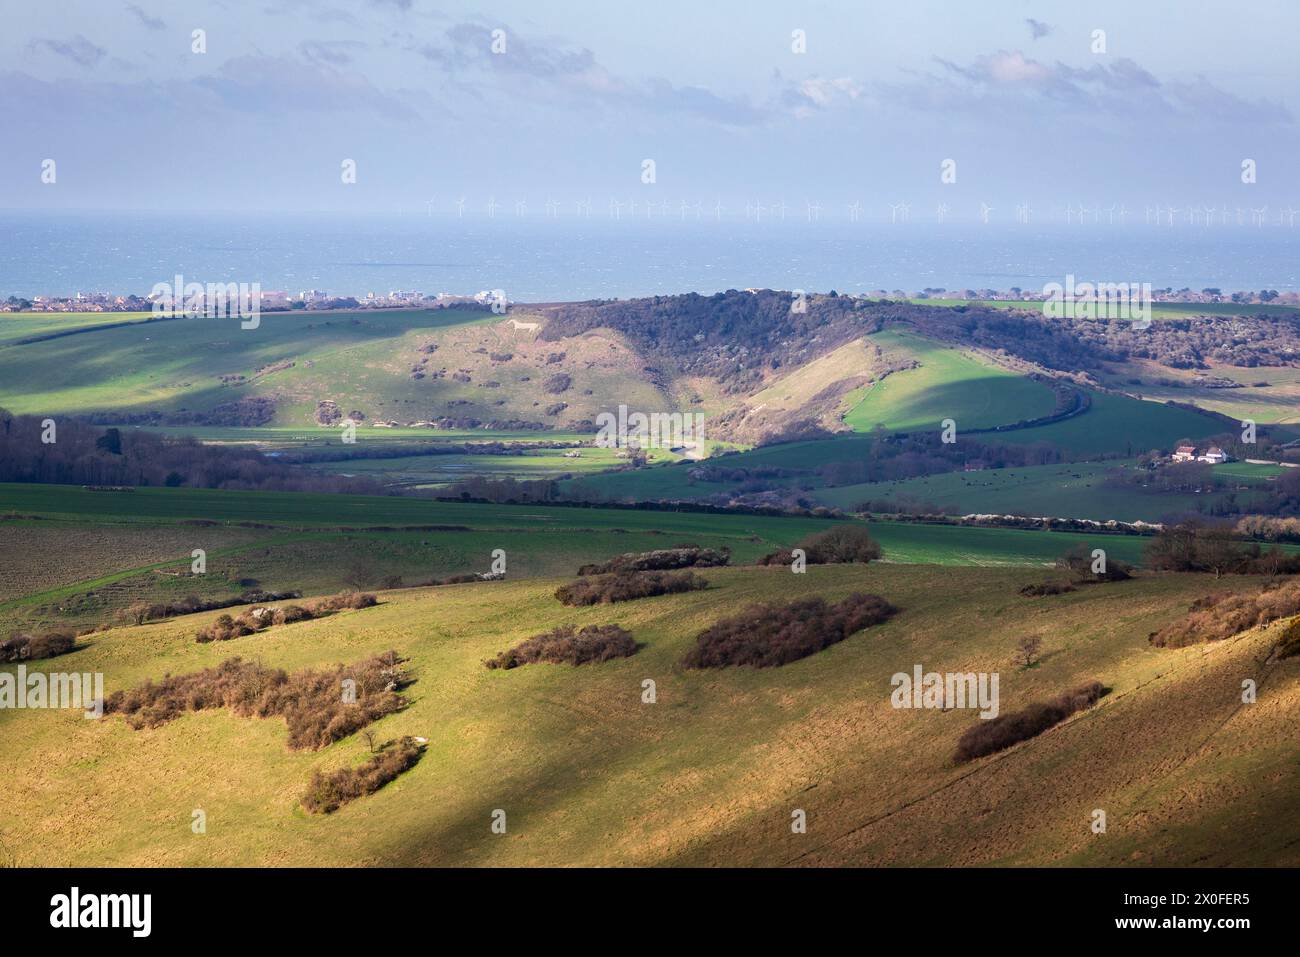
(1251, 472)
(709, 774)
(1117, 423)
(315, 437)
(85, 556)
(430, 471)
(1077, 490)
(948, 384)
(909, 542)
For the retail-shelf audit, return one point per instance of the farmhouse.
(1189, 453)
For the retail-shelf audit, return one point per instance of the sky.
(453, 106)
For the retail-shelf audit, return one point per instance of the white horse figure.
(525, 326)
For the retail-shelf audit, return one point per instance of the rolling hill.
(946, 383)
(710, 773)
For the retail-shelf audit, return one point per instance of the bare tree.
(1028, 650)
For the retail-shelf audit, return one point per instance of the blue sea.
(538, 258)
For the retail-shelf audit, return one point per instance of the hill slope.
(710, 773)
(945, 384)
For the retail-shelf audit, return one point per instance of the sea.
(540, 258)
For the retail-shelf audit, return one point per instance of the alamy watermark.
(57, 689)
(213, 300)
(75, 909)
(1098, 300)
(650, 430)
(942, 692)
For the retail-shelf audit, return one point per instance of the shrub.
(569, 645)
(836, 545)
(628, 586)
(840, 544)
(663, 559)
(328, 792)
(763, 636)
(557, 383)
(256, 619)
(1046, 588)
(344, 599)
(1001, 732)
(311, 702)
(24, 647)
(1219, 616)
(140, 612)
(288, 614)
(1078, 562)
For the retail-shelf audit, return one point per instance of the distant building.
(1184, 453)
(1214, 456)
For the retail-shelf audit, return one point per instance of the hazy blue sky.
(585, 91)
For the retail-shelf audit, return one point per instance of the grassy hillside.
(178, 363)
(31, 325)
(710, 773)
(947, 384)
(367, 361)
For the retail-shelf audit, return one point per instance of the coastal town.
(269, 301)
(275, 300)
